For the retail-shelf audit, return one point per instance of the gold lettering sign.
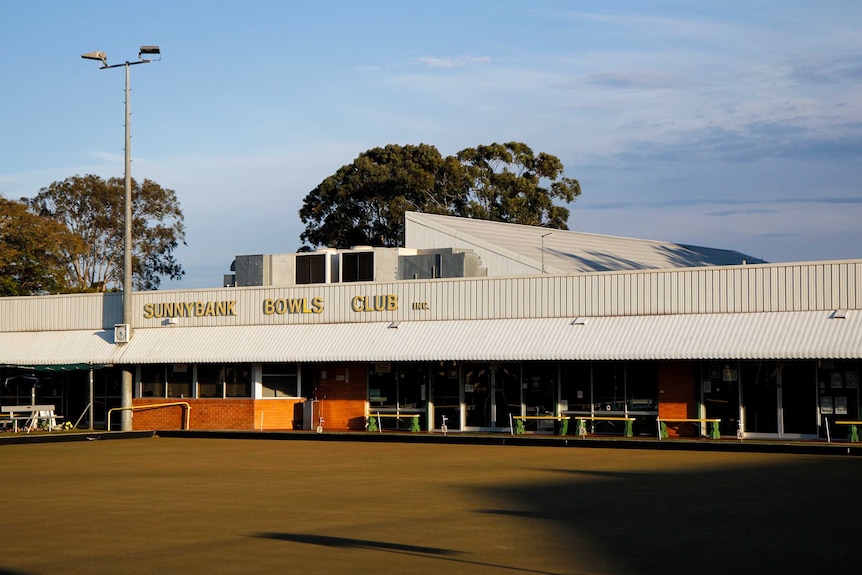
(282, 306)
(190, 309)
(368, 303)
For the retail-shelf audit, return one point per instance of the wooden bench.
(853, 433)
(7, 419)
(581, 420)
(374, 423)
(31, 415)
(520, 420)
(663, 421)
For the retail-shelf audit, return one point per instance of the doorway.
(779, 399)
(760, 397)
(721, 396)
(838, 391)
(492, 393)
(446, 396)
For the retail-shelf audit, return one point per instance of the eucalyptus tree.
(91, 208)
(506, 185)
(364, 202)
(32, 252)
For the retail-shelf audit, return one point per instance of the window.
(17, 389)
(210, 380)
(642, 386)
(311, 269)
(413, 385)
(630, 386)
(398, 388)
(357, 267)
(171, 380)
(838, 390)
(220, 380)
(179, 380)
(540, 387)
(237, 380)
(382, 386)
(611, 390)
(153, 380)
(280, 380)
(576, 387)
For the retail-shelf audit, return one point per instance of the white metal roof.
(57, 347)
(783, 335)
(559, 251)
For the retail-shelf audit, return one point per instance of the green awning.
(62, 367)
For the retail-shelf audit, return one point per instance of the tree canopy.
(91, 208)
(364, 202)
(30, 260)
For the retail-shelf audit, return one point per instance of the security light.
(149, 50)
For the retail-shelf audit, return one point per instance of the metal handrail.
(153, 406)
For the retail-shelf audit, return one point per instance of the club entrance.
(762, 399)
(492, 392)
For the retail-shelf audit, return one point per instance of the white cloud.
(452, 62)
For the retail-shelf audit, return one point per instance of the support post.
(126, 399)
(127, 264)
(90, 408)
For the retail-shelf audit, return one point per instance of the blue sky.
(734, 124)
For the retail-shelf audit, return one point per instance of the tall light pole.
(123, 332)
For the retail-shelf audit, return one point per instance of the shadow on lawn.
(760, 518)
(347, 542)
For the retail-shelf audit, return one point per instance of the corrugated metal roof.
(565, 251)
(785, 335)
(57, 347)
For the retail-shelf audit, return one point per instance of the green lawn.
(170, 505)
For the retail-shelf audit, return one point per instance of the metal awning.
(782, 335)
(46, 348)
(60, 367)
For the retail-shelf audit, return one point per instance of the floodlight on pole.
(150, 51)
(126, 326)
(100, 56)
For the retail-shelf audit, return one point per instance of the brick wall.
(341, 391)
(677, 382)
(278, 413)
(245, 414)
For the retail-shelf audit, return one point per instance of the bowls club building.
(473, 323)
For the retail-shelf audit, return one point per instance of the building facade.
(522, 322)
